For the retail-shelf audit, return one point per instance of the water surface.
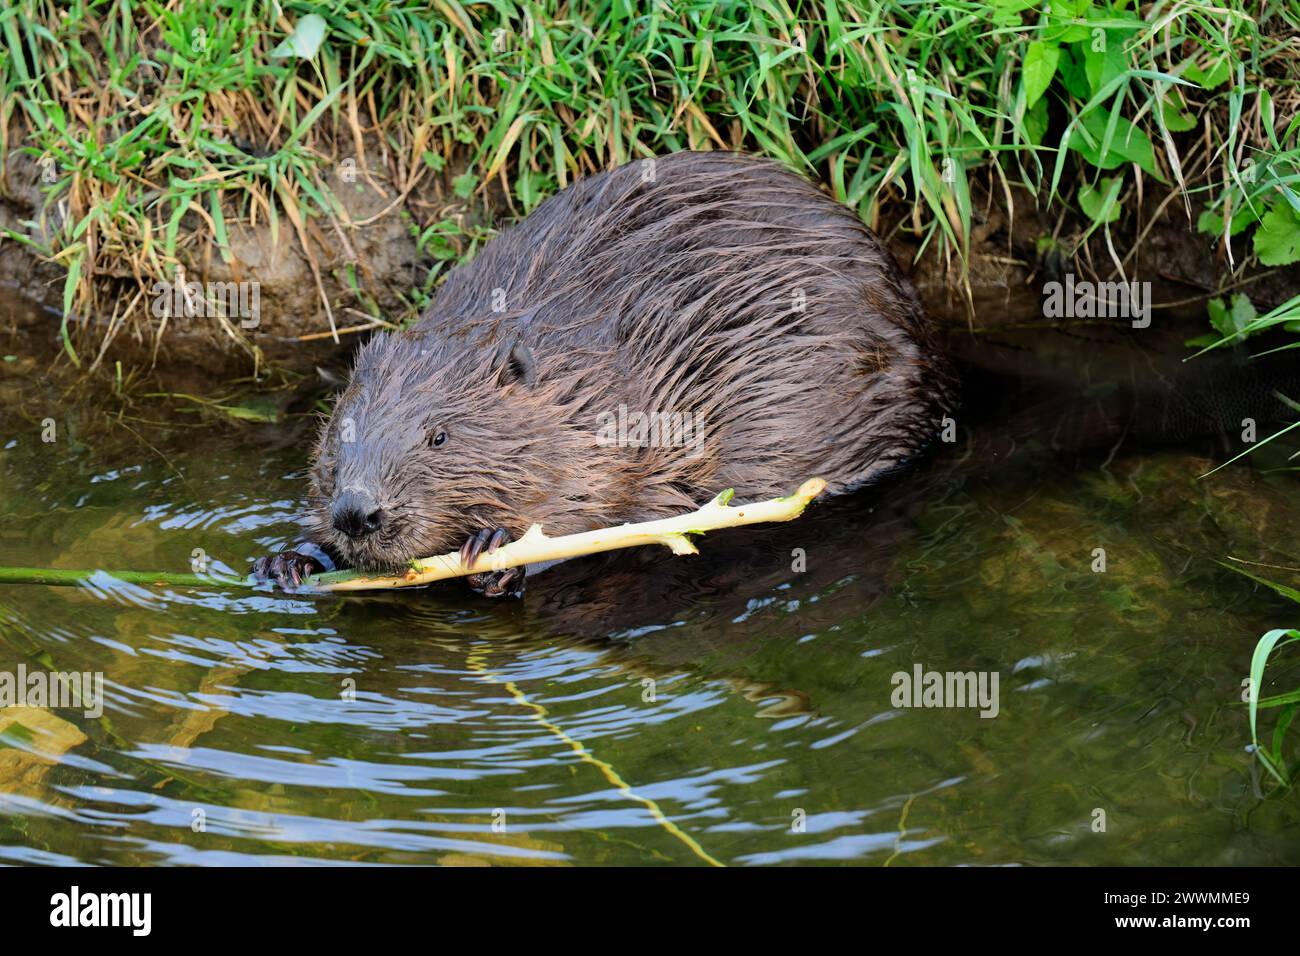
(646, 709)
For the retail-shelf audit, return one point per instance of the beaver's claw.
(491, 583)
(287, 569)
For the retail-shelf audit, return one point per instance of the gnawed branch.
(533, 548)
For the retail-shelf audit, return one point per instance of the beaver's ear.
(515, 363)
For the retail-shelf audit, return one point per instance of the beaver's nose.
(356, 514)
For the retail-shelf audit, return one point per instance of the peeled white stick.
(535, 547)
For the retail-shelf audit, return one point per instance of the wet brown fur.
(672, 285)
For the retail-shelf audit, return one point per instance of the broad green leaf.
(1171, 111)
(1072, 73)
(1215, 73)
(1036, 121)
(1069, 8)
(1066, 33)
(1277, 240)
(1102, 66)
(1230, 320)
(1039, 68)
(1007, 12)
(464, 185)
(1211, 223)
(1128, 144)
(1101, 204)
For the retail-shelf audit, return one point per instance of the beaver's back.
(725, 289)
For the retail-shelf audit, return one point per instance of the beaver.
(646, 337)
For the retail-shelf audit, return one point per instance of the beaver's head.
(433, 441)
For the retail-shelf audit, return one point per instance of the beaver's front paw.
(287, 569)
(491, 583)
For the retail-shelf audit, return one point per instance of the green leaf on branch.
(1229, 320)
(1127, 144)
(1104, 65)
(464, 185)
(1171, 111)
(1036, 122)
(1073, 76)
(1211, 223)
(1101, 203)
(1214, 73)
(1041, 59)
(1277, 240)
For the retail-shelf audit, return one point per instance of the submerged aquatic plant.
(1266, 649)
(1271, 757)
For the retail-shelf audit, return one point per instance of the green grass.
(159, 123)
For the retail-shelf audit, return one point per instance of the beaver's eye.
(439, 438)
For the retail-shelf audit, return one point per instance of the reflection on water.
(645, 709)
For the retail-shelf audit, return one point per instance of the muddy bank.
(313, 310)
(1017, 248)
(295, 307)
